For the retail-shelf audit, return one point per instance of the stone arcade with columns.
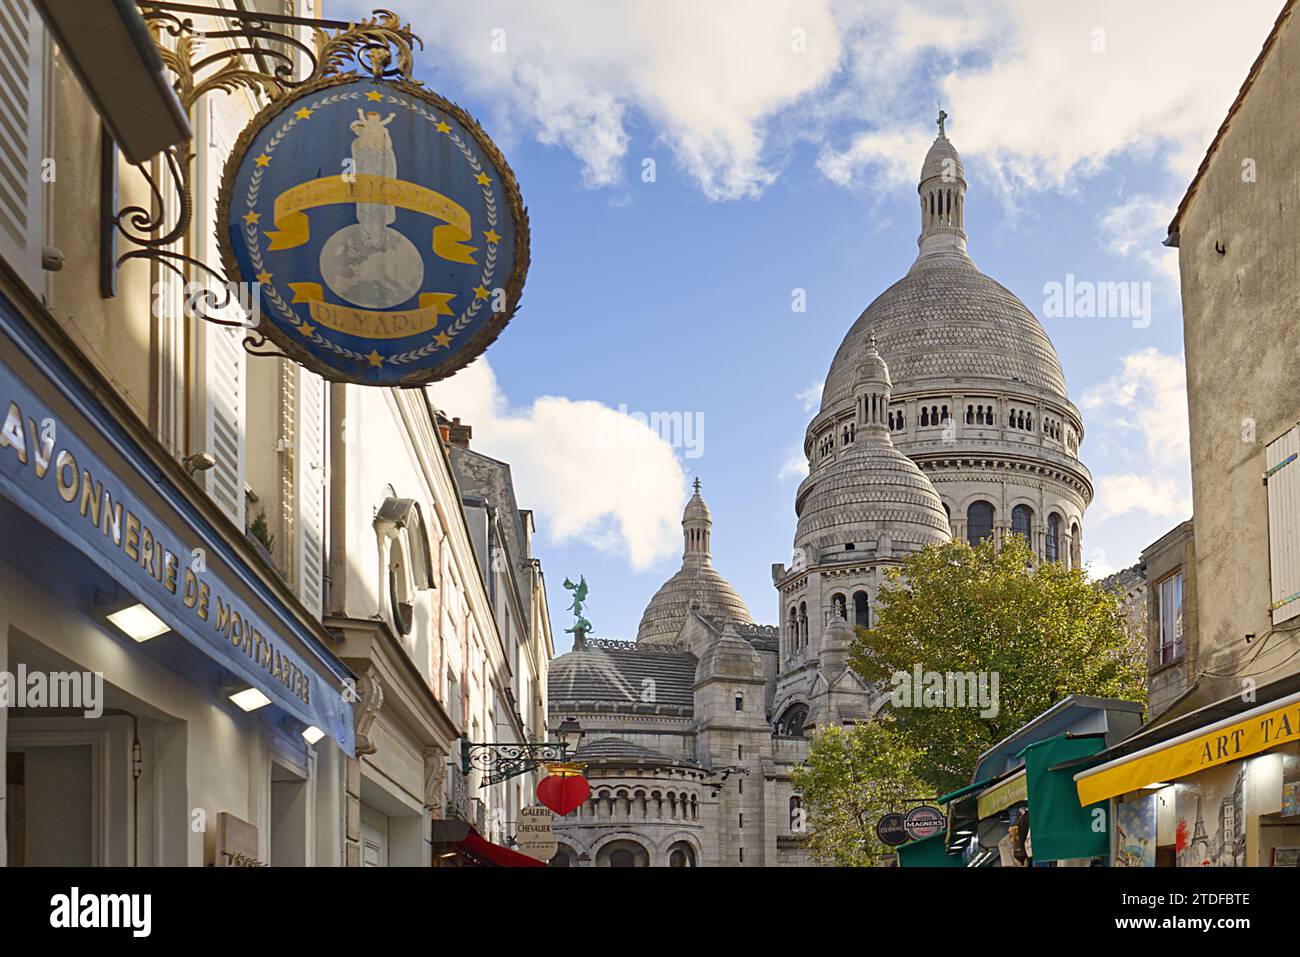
(945, 413)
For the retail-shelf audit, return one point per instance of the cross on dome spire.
(942, 116)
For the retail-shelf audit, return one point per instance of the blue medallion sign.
(381, 228)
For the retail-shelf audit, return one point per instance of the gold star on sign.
(264, 160)
(374, 96)
(492, 236)
(306, 328)
(482, 179)
(442, 127)
(480, 293)
(252, 218)
(375, 358)
(263, 276)
(303, 114)
(442, 339)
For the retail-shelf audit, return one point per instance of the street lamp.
(570, 733)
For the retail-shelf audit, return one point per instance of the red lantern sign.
(563, 792)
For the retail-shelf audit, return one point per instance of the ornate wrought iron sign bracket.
(500, 762)
(208, 49)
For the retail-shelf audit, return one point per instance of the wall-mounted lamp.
(129, 616)
(199, 462)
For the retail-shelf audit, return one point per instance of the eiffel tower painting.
(1198, 850)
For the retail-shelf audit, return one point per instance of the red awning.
(495, 854)
(466, 840)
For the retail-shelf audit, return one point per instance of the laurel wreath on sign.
(253, 235)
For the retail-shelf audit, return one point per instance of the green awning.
(929, 852)
(966, 790)
(1059, 828)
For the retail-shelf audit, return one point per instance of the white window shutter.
(1284, 523)
(22, 88)
(309, 491)
(221, 386)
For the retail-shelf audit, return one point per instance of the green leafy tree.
(851, 777)
(1044, 630)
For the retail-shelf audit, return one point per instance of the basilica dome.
(944, 322)
(871, 498)
(697, 586)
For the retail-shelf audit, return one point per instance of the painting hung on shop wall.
(1211, 819)
(1291, 785)
(1135, 833)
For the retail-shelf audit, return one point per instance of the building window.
(979, 522)
(796, 806)
(838, 603)
(792, 720)
(742, 821)
(1169, 617)
(681, 854)
(1052, 551)
(861, 612)
(740, 701)
(1022, 522)
(1076, 547)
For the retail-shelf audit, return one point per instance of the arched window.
(792, 633)
(979, 522)
(1052, 549)
(861, 613)
(1022, 522)
(925, 416)
(792, 720)
(1076, 546)
(681, 854)
(970, 414)
(622, 854)
(564, 857)
(839, 605)
(803, 623)
(796, 814)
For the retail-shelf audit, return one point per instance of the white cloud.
(1146, 398)
(1121, 494)
(591, 473)
(1149, 394)
(811, 397)
(1137, 227)
(706, 75)
(1029, 92)
(794, 466)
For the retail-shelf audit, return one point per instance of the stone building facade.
(945, 413)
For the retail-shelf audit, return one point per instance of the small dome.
(942, 160)
(871, 365)
(697, 586)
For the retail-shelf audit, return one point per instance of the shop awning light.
(138, 622)
(250, 699)
(312, 734)
(1156, 786)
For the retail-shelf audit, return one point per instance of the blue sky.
(778, 169)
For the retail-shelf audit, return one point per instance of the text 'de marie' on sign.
(381, 227)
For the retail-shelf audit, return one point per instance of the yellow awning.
(1229, 740)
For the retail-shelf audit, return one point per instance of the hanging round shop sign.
(890, 829)
(381, 229)
(924, 821)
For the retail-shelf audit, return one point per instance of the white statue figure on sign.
(371, 264)
(372, 153)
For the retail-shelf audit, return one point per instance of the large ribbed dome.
(947, 321)
(696, 586)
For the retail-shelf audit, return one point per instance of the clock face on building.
(382, 231)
